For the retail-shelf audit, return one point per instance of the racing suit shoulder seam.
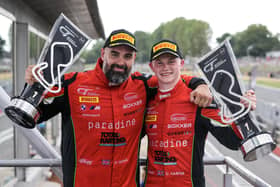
(69, 80)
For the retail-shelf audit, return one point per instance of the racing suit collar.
(161, 95)
(100, 74)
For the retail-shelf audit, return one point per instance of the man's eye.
(114, 54)
(159, 62)
(128, 56)
(171, 62)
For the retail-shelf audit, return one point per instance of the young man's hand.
(250, 94)
(201, 96)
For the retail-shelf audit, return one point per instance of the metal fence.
(227, 161)
(268, 113)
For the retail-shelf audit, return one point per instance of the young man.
(102, 112)
(177, 128)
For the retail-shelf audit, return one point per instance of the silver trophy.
(63, 46)
(222, 74)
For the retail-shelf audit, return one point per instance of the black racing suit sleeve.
(224, 134)
(49, 110)
(195, 82)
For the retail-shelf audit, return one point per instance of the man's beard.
(116, 77)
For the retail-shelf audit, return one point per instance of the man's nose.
(121, 61)
(164, 65)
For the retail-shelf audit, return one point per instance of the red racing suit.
(101, 127)
(177, 130)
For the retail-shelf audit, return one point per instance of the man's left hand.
(201, 96)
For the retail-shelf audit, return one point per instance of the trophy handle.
(36, 71)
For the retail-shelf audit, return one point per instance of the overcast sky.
(223, 15)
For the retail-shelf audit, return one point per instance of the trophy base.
(257, 146)
(22, 113)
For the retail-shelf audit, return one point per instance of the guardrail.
(269, 113)
(227, 181)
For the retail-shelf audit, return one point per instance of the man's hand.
(250, 94)
(201, 96)
(29, 78)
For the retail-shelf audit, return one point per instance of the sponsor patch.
(179, 126)
(153, 126)
(164, 158)
(121, 161)
(134, 104)
(130, 96)
(91, 115)
(83, 107)
(120, 124)
(86, 91)
(160, 173)
(122, 36)
(106, 162)
(150, 118)
(178, 117)
(152, 133)
(163, 45)
(94, 107)
(85, 161)
(168, 143)
(88, 99)
(112, 139)
(132, 112)
(178, 133)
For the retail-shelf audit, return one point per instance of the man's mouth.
(119, 69)
(165, 74)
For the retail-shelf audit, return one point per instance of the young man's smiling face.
(167, 69)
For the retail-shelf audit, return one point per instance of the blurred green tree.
(192, 36)
(143, 43)
(255, 41)
(93, 54)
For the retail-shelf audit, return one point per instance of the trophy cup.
(62, 48)
(222, 74)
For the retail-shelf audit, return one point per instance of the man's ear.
(151, 66)
(134, 57)
(182, 62)
(102, 53)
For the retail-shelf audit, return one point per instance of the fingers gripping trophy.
(222, 74)
(62, 48)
